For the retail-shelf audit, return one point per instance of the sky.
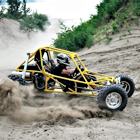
(66, 9)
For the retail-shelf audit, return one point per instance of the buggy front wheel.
(113, 98)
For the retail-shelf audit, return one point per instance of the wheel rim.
(126, 86)
(113, 100)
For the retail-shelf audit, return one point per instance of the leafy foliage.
(74, 38)
(112, 15)
(137, 7)
(17, 10)
(14, 8)
(33, 21)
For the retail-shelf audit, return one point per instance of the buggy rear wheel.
(39, 81)
(113, 98)
(127, 84)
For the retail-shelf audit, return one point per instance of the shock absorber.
(25, 66)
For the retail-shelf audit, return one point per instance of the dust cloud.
(22, 105)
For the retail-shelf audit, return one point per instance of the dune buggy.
(112, 92)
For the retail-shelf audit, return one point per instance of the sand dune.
(25, 116)
(14, 43)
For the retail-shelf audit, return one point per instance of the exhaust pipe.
(26, 74)
(23, 74)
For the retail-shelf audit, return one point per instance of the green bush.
(75, 38)
(17, 10)
(137, 7)
(82, 36)
(34, 21)
(112, 15)
(115, 27)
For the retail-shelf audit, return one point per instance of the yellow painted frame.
(101, 78)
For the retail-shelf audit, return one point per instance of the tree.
(24, 7)
(25, 10)
(17, 8)
(14, 8)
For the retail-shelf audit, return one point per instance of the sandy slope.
(15, 43)
(25, 117)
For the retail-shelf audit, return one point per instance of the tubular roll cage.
(100, 77)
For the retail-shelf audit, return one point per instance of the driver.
(63, 67)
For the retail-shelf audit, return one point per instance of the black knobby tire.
(128, 84)
(39, 81)
(106, 92)
(17, 78)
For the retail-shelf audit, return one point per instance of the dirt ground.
(25, 116)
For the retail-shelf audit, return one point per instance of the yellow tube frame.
(101, 78)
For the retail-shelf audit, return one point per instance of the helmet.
(63, 59)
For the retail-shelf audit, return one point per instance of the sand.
(25, 116)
